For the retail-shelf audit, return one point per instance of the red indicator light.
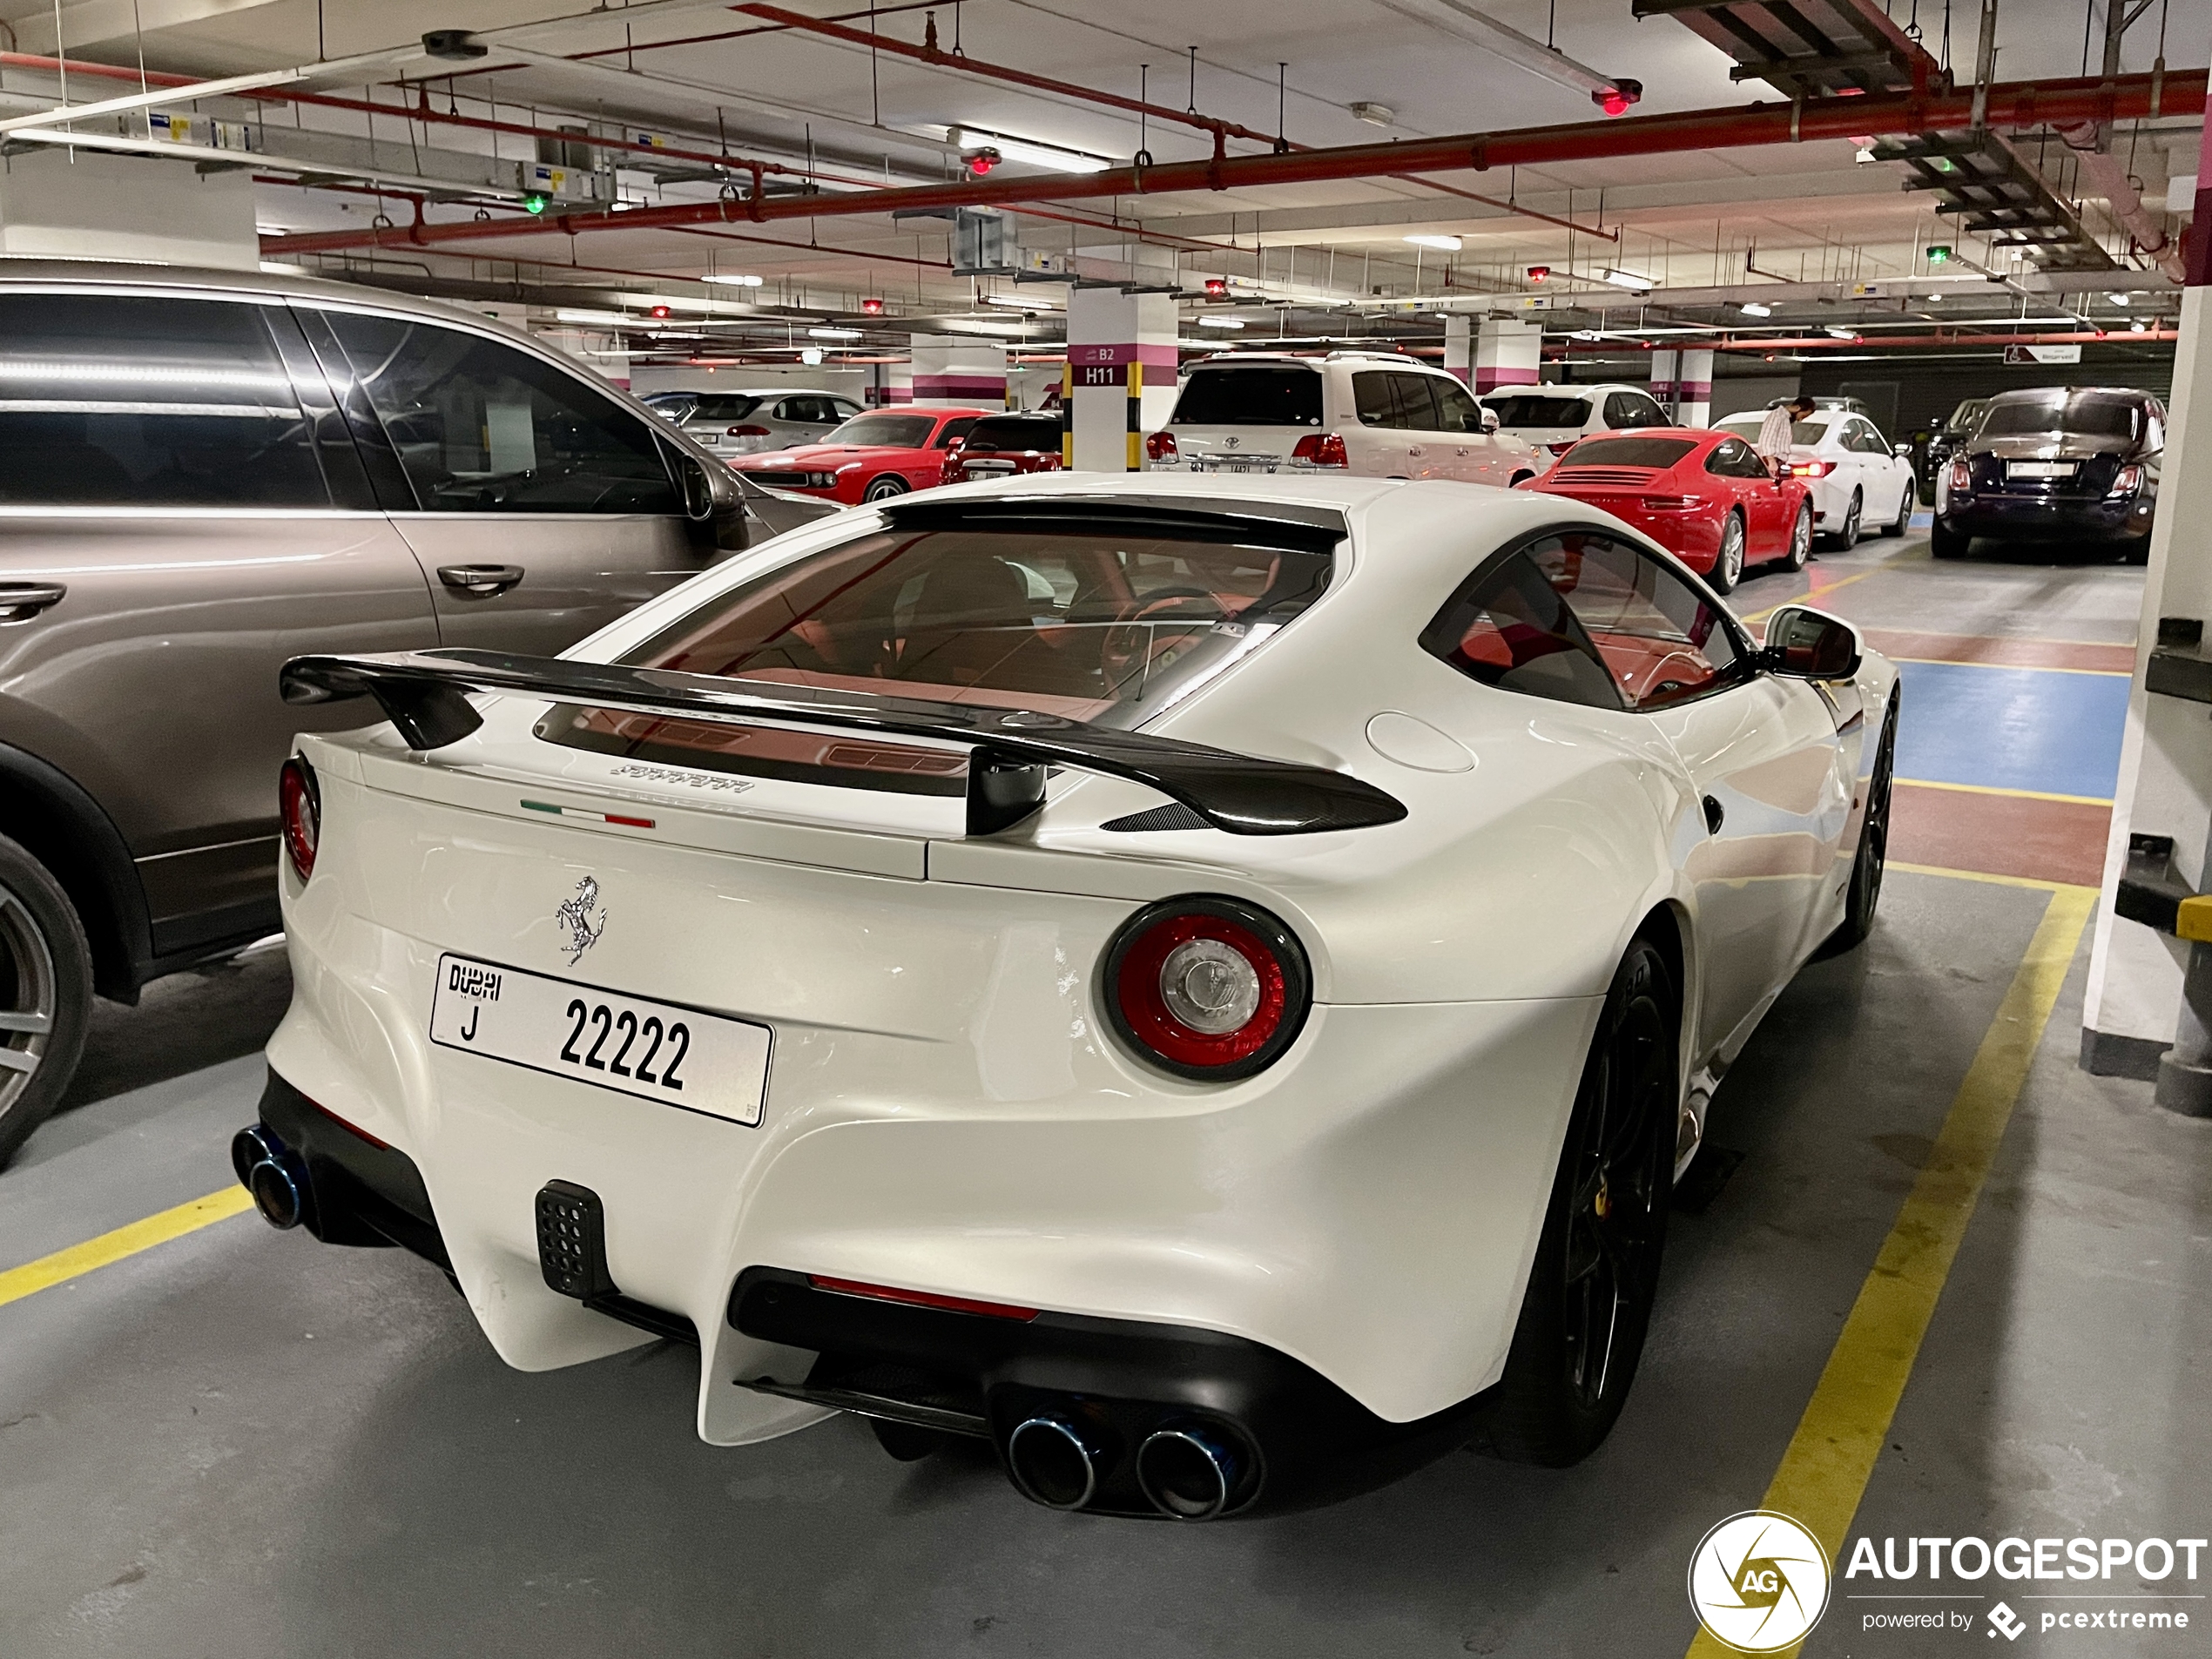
(921, 1299)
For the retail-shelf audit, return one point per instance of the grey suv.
(203, 474)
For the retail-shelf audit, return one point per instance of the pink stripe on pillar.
(1694, 391)
(1489, 379)
(1152, 355)
(960, 386)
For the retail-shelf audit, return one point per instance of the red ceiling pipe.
(928, 52)
(2009, 105)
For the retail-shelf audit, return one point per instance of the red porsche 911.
(1705, 496)
(871, 457)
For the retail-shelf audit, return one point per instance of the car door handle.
(480, 581)
(1414, 450)
(21, 601)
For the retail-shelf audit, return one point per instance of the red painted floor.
(2007, 652)
(2050, 840)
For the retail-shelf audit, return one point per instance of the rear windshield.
(1014, 434)
(1527, 408)
(1110, 626)
(2095, 417)
(1747, 427)
(670, 406)
(723, 406)
(1627, 452)
(884, 430)
(1273, 395)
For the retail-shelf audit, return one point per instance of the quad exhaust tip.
(274, 1173)
(1054, 1462)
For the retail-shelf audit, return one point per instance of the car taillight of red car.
(1672, 503)
(1320, 450)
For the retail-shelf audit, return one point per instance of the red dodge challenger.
(1703, 495)
(884, 452)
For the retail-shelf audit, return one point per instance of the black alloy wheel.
(45, 995)
(1865, 891)
(1727, 563)
(1800, 539)
(1597, 1272)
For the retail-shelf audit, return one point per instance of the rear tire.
(1865, 891)
(1847, 533)
(45, 995)
(1800, 539)
(1903, 521)
(2136, 551)
(1946, 544)
(1588, 1304)
(885, 488)
(1727, 563)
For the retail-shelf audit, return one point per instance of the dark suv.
(205, 473)
(2076, 464)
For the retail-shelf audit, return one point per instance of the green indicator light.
(1938, 253)
(533, 203)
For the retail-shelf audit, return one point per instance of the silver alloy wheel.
(1801, 537)
(29, 992)
(1729, 566)
(1849, 534)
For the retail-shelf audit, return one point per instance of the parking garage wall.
(1925, 390)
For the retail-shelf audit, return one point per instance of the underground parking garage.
(985, 827)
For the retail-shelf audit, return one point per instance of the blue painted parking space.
(2035, 729)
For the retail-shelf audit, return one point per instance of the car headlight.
(1208, 989)
(822, 481)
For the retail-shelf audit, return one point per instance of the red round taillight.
(299, 804)
(1207, 988)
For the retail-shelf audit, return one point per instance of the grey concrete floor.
(243, 1443)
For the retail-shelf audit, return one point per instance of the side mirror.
(714, 505)
(1902, 451)
(1809, 646)
(1489, 420)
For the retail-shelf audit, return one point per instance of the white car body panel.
(1883, 482)
(1557, 440)
(946, 1109)
(1493, 458)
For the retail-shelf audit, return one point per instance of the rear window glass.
(886, 431)
(1627, 452)
(1746, 426)
(723, 406)
(2096, 417)
(1014, 434)
(1110, 626)
(1276, 394)
(1527, 408)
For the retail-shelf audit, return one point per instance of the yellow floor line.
(109, 1248)
(1815, 596)
(1830, 1458)
(2037, 882)
(2016, 794)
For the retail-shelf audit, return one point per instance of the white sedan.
(1856, 480)
(1205, 984)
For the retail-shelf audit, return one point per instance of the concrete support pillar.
(1121, 378)
(958, 369)
(1507, 352)
(1664, 365)
(898, 383)
(1693, 399)
(2135, 1006)
(1459, 347)
(126, 207)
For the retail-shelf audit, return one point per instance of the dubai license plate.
(1237, 464)
(2040, 468)
(656, 1051)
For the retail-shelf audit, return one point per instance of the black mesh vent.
(1174, 816)
(572, 1240)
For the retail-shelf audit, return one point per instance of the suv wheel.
(46, 994)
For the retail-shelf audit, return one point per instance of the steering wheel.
(1124, 640)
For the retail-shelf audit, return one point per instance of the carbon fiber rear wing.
(424, 694)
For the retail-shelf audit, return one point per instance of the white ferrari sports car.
(1205, 984)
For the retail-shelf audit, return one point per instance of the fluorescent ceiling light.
(1221, 322)
(1020, 302)
(270, 267)
(601, 317)
(1842, 333)
(733, 279)
(1586, 333)
(1621, 278)
(1028, 150)
(832, 333)
(2117, 299)
(988, 325)
(2138, 327)
(1375, 115)
(1753, 308)
(1448, 244)
(810, 355)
